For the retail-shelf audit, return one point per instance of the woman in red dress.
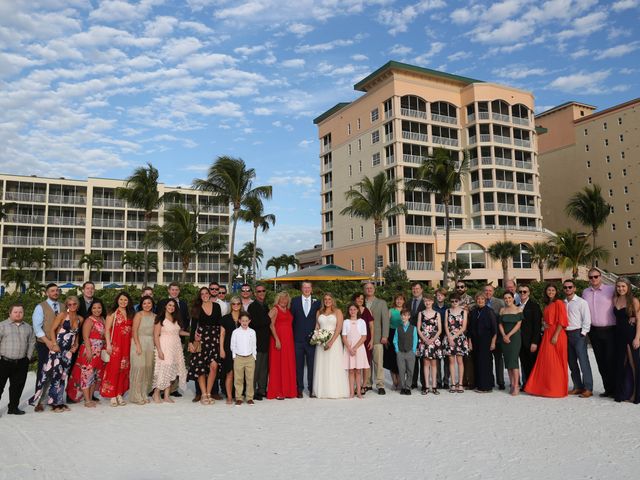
(115, 381)
(550, 377)
(282, 357)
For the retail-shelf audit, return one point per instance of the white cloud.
(581, 82)
(249, 50)
(584, 26)
(517, 72)
(300, 180)
(583, 52)
(160, 26)
(306, 143)
(202, 61)
(121, 11)
(508, 32)
(324, 47)
(300, 29)
(178, 48)
(358, 57)
(400, 50)
(398, 21)
(262, 111)
(293, 63)
(434, 49)
(618, 50)
(622, 5)
(461, 55)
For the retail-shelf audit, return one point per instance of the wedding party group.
(244, 350)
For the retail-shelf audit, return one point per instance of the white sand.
(466, 435)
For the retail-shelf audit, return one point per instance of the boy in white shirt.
(243, 348)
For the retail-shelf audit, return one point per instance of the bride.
(330, 379)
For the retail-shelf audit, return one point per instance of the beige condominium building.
(70, 218)
(583, 147)
(406, 112)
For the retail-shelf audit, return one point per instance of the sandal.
(64, 408)
(435, 391)
(424, 391)
(114, 402)
(57, 409)
(204, 399)
(452, 389)
(459, 388)
(120, 400)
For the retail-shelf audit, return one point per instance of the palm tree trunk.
(145, 279)
(593, 236)
(236, 212)
(505, 272)
(445, 269)
(376, 226)
(185, 266)
(253, 256)
(541, 270)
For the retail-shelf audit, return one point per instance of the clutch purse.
(104, 355)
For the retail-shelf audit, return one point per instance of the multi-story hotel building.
(405, 113)
(69, 218)
(581, 147)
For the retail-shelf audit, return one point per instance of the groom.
(304, 309)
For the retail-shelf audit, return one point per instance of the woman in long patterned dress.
(86, 374)
(117, 332)
(282, 356)
(141, 375)
(204, 344)
(169, 359)
(55, 372)
(429, 348)
(365, 314)
(456, 346)
(229, 323)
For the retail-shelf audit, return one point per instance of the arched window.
(413, 106)
(470, 255)
(523, 259)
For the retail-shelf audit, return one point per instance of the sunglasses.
(460, 287)
(567, 287)
(213, 289)
(593, 276)
(245, 290)
(236, 304)
(260, 291)
(454, 301)
(523, 291)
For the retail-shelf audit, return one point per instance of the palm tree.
(19, 261)
(231, 182)
(441, 174)
(92, 261)
(179, 234)
(457, 270)
(135, 260)
(275, 263)
(571, 250)
(254, 213)
(141, 191)
(541, 253)
(40, 258)
(590, 209)
(374, 199)
(288, 261)
(504, 251)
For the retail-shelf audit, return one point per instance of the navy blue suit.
(303, 327)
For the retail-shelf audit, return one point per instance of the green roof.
(412, 68)
(330, 112)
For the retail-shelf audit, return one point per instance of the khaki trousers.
(243, 370)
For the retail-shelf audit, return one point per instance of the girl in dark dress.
(204, 343)
(626, 308)
(229, 324)
(482, 335)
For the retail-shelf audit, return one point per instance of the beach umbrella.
(113, 285)
(321, 272)
(69, 285)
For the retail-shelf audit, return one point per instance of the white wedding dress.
(330, 379)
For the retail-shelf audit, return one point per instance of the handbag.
(197, 347)
(104, 355)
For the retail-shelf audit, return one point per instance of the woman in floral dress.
(169, 361)
(55, 372)
(456, 346)
(115, 381)
(429, 347)
(86, 374)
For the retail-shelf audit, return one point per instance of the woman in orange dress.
(550, 376)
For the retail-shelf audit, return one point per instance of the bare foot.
(156, 399)
(90, 404)
(168, 400)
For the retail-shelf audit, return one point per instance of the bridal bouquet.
(320, 337)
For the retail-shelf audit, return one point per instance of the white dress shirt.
(224, 306)
(243, 342)
(579, 314)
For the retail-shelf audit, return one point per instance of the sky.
(98, 88)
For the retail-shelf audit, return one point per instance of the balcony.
(413, 265)
(475, 185)
(107, 222)
(328, 225)
(25, 218)
(388, 114)
(500, 117)
(473, 162)
(485, 137)
(204, 208)
(527, 187)
(327, 185)
(175, 266)
(190, 207)
(526, 165)
(408, 112)
(418, 206)
(483, 115)
(112, 264)
(475, 207)
(506, 207)
(98, 243)
(487, 161)
(388, 137)
(325, 147)
(108, 202)
(390, 160)
(326, 167)
(328, 244)
(418, 137)
(489, 207)
(504, 184)
(413, 158)
(418, 230)
(24, 241)
(139, 224)
(504, 161)
(522, 143)
(391, 231)
(527, 209)
(473, 140)
(211, 267)
(25, 197)
(136, 244)
(63, 263)
(65, 242)
(68, 199)
(73, 221)
(520, 121)
(487, 183)
(328, 205)
(445, 141)
(502, 139)
(471, 117)
(444, 119)
(455, 209)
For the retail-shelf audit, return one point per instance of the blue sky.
(98, 88)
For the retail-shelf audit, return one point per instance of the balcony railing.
(412, 265)
(390, 159)
(108, 202)
(502, 139)
(506, 207)
(473, 162)
(456, 209)
(418, 206)
(487, 161)
(78, 221)
(444, 118)
(520, 120)
(190, 207)
(211, 267)
(489, 206)
(485, 137)
(328, 244)
(327, 185)
(25, 197)
(17, 240)
(25, 218)
(112, 264)
(327, 167)
(475, 207)
(107, 222)
(527, 187)
(483, 115)
(504, 161)
(137, 244)
(487, 183)
(68, 199)
(140, 224)
(63, 263)
(388, 114)
(522, 143)
(418, 230)
(473, 140)
(526, 209)
(475, 185)
(418, 137)
(445, 141)
(325, 147)
(213, 208)
(409, 112)
(328, 225)
(392, 231)
(500, 117)
(328, 205)
(406, 157)
(174, 265)
(504, 184)
(527, 165)
(495, 227)
(97, 243)
(388, 137)
(65, 242)
(471, 117)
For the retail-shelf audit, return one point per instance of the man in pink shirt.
(602, 333)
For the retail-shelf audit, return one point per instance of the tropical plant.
(457, 270)
(179, 234)
(589, 208)
(40, 258)
(572, 250)
(254, 214)
(19, 261)
(374, 199)
(395, 277)
(231, 182)
(289, 261)
(135, 260)
(4, 207)
(503, 251)
(541, 254)
(93, 261)
(442, 174)
(141, 191)
(275, 263)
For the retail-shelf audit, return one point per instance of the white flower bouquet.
(320, 337)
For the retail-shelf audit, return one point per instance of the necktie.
(414, 308)
(56, 310)
(306, 306)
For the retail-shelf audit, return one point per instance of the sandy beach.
(448, 436)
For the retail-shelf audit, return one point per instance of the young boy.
(243, 347)
(406, 342)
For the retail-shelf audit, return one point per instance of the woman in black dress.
(229, 324)
(482, 330)
(204, 343)
(626, 309)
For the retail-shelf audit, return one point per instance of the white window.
(622, 155)
(374, 115)
(353, 265)
(626, 207)
(589, 180)
(350, 170)
(613, 227)
(610, 192)
(348, 128)
(361, 231)
(351, 233)
(626, 189)
(360, 166)
(358, 124)
(624, 172)
(608, 159)
(586, 132)
(375, 159)
(588, 163)
(609, 175)
(632, 260)
(359, 145)
(349, 149)
(631, 242)
(375, 137)
(604, 126)
(621, 138)
(615, 244)
(362, 263)
(586, 147)
(606, 142)
(628, 224)
(616, 262)
(619, 120)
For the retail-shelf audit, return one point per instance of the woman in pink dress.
(115, 381)
(282, 356)
(354, 334)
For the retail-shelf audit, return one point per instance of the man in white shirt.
(579, 326)
(214, 288)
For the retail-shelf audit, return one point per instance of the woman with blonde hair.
(282, 357)
(626, 308)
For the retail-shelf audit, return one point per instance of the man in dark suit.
(84, 310)
(174, 293)
(304, 310)
(416, 304)
(496, 304)
(530, 331)
(261, 322)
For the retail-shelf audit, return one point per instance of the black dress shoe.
(258, 396)
(15, 411)
(176, 394)
(502, 387)
(197, 398)
(408, 392)
(414, 386)
(96, 399)
(381, 391)
(299, 395)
